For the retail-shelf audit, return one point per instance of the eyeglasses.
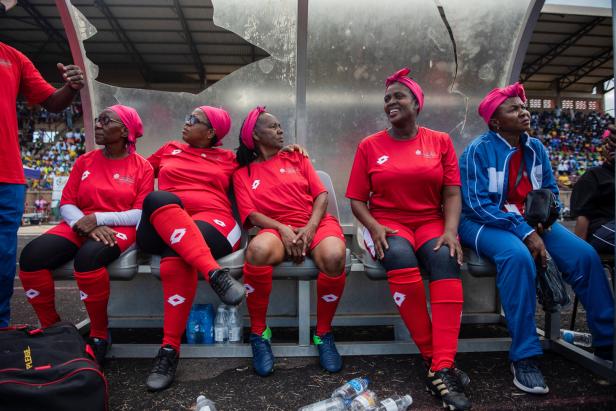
(191, 120)
(104, 120)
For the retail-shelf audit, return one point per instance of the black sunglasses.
(104, 120)
(192, 120)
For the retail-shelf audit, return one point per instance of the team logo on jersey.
(176, 299)
(282, 171)
(5, 63)
(85, 175)
(382, 160)
(177, 235)
(329, 298)
(31, 293)
(82, 295)
(121, 236)
(176, 151)
(399, 298)
(220, 223)
(123, 179)
(203, 155)
(255, 184)
(418, 152)
(249, 288)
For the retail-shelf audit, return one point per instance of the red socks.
(94, 292)
(258, 284)
(329, 291)
(180, 232)
(446, 299)
(40, 291)
(179, 281)
(407, 289)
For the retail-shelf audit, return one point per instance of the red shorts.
(328, 227)
(417, 233)
(125, 235)
(225, 224)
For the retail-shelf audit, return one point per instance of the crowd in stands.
(572, 139)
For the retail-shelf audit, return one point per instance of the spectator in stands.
(19, 75)
(281, 193)
(405, 190)
(493, 224)
(189, 223)
(100, 206)
(592, 203)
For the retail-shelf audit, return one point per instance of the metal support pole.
(614, 282)
(301, 117)
(303, 311)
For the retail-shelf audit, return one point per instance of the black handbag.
(541, 207)
(50, 370)
(551, 290)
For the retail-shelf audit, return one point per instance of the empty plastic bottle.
(221, 332)
(234, 323)
(330, 404)
(204, 404)
(351, 389)
(395, 403)
(365, 401)
(577, 338)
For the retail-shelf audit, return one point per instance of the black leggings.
(440, 265)
(50, 251)
(149, 241)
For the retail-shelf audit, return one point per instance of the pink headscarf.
(220, 121)
(249, 126)
(495, 98)
(606, 134)
(130, 118)
(400, 76)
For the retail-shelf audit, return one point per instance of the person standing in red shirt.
(405, 190)
(281, 193)
(19, 76)
(100, 206)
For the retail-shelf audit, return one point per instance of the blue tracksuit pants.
(576, 259)
(11, 210)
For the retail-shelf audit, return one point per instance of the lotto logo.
(399, 298)
(116, 176)
(255, 184)
(176, 300)
(177, 235)
(176, 151)
(82, 295)
(382, 159)
(329, 298)
(85, 175)
(31, 293)
(220, 223)
(121, 236)
(249, 288)
(282, 171)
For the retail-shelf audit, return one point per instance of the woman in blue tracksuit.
(498, 169)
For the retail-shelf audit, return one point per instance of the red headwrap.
(495, 98)
(220, 121)
(249, 126)
(400, 76)
(130, 118)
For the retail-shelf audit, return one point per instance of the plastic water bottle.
(574, 337)
(234, 322)
(221, 332)
(203, 404)
(194, 334)
(365, 401)
(351, 389)
(395, 403)
(330, 404)
(207, 322)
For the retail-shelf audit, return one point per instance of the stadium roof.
(174, 43)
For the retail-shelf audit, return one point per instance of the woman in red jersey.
(281, 193)
(405, 189)
(100, 206)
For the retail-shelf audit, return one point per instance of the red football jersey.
(97, 183)
(18, 75)
(283, 188)
(517, 195)
(199, 176)
(404, 177)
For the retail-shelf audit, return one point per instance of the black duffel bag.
(50, 369)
